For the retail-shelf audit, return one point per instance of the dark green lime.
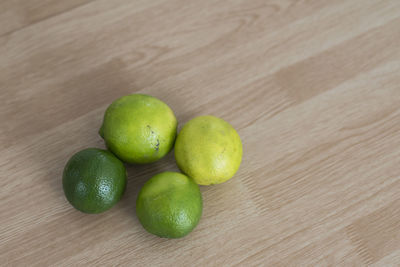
(94, 180)
(169, 205)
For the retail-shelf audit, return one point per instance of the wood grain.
(17, 14)
(312, 87)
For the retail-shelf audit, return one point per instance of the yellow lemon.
(209, 150)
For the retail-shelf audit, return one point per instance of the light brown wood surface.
(313, 88)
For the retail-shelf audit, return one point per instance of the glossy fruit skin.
(139, 128)
(94, 180)
(169, 205)
(209, 150)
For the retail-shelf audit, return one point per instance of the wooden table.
(313, 88)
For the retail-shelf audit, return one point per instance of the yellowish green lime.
(169, 205)
(139, 128)
(209, 150)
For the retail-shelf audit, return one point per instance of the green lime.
(139, 128)
(209, 150)
(94, 180)
(169, 205)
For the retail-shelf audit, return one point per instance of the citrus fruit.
(94, 180)
(209, 150)
(169, 205)
(139, 128)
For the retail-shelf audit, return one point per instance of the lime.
(209, 150)
(94, 180)
(139, 128)
(169, 205)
